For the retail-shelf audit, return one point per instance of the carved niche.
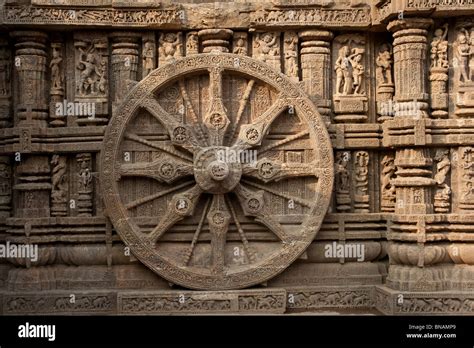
(200, 200)
(349, 82)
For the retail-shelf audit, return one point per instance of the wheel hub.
(214, 171)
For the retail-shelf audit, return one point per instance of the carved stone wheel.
(186, 190)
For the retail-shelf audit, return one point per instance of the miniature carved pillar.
(316, 68)
(30, 64)
(410, 51)
(33, 186)
(215, 40)
(5, 83)
(124, 64)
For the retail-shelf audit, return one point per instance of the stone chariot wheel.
(216, 171)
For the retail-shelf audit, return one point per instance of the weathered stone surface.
(321, 151)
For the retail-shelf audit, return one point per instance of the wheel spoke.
(267, 170)
(190, 251)
(218, 219)
(157, 195)
(192, 113)
(180, 206)
(253, 204)
(283, 141)
(242, 105)
(288, 197)
(252, 134)
(216, 120)
(180, 134)
(247, 248)
(153, 145)
(167, 169)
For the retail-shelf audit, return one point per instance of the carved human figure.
(362, 171)
(439, 48)
(170, 46)
(342, 173)
(239, 46)
(443, 166)
(102, 83)
(291, 55)
(342, 67)
(267, 46)
(85, 175)
(89, 74)
(461, 52)
(388, 172)
(56, 79)
(5, 73)
(471, 53)
(384, 64)
(58, 175)
(358, 70)
(148, 58)
(192, 43)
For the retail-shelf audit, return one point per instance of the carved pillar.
(30, 64)
(413, 183)
(316, 68)
(215, 40)
(124, 60)
(33, 187)
(411, 261)
(85, 181)
(410, 51)
(56, 65)
(5, 83)
(266, 47)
